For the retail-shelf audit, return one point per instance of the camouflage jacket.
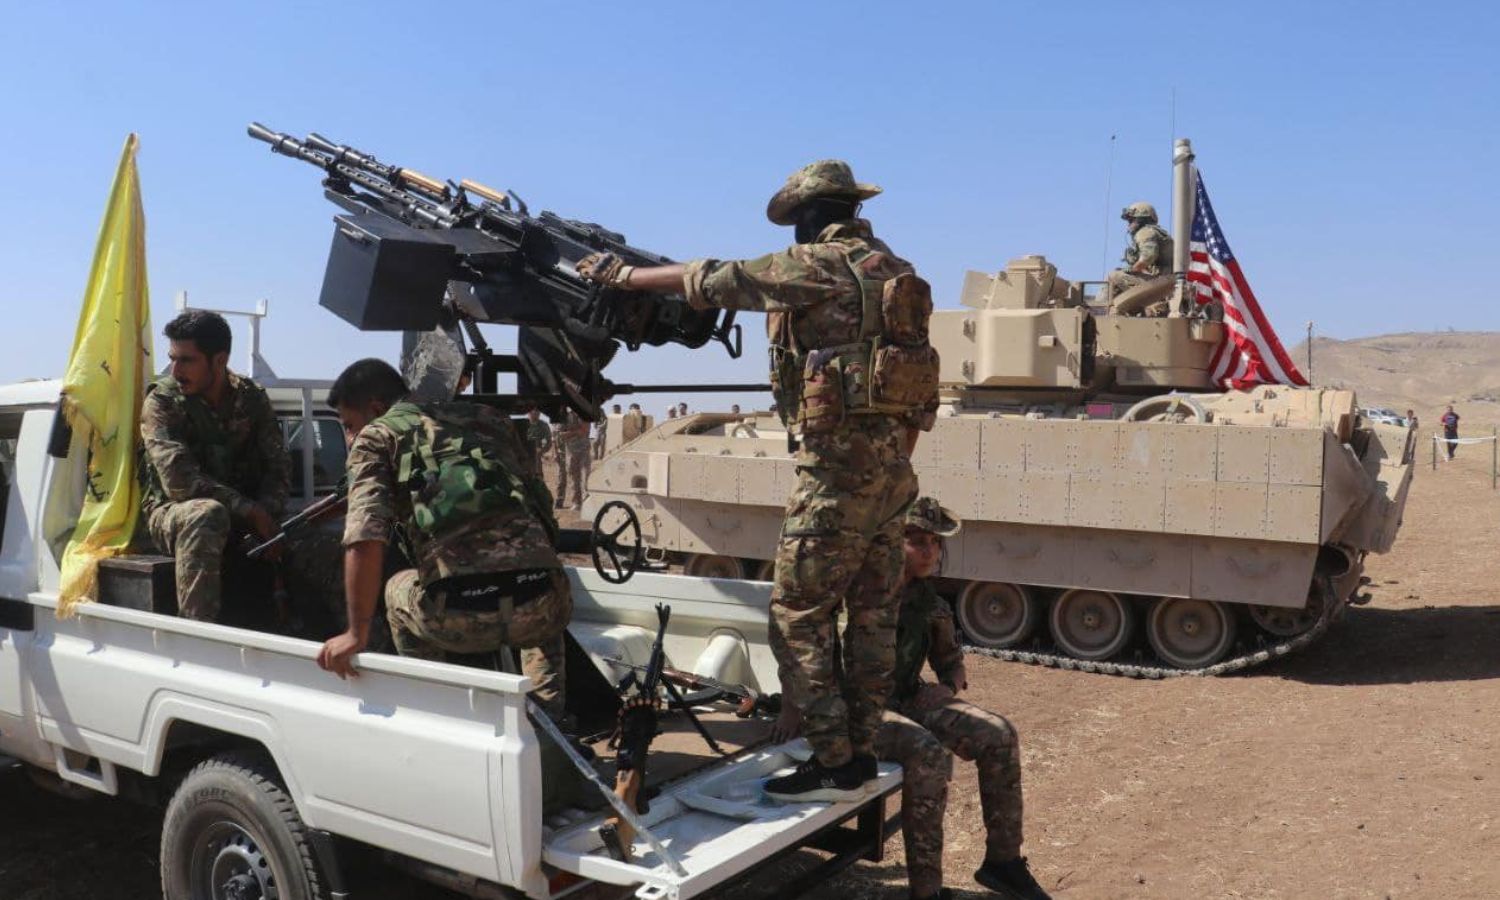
(539, 436)
(632, 426)
(812, 284)
(924, 633)
(234, 454)
(511, 537)
(1150, 251)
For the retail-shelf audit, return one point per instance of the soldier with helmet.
(455, 484)
(855, 380)
(926, 725)
(1148, 257)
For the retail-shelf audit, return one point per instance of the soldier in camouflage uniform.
(1147, 258)
(633, 425)
(453, 482)
(855, 379)
(924, 721)
(538, 437)
(571, 440)
(214, 461)
(601, 433)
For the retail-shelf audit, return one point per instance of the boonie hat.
(824, 178)
(927, 514)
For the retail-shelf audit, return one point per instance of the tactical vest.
(207, 441)
(1164, 248)
(885, 365)
(454, 465)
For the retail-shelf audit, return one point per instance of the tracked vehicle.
(1108, 487)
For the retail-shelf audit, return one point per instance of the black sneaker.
(1010, 879)
(814, 781)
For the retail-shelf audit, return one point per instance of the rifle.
(424, 256)
(319, 509)
(748, 701)
(637, 730)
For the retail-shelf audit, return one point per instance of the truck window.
(328, 452)
(10, 434)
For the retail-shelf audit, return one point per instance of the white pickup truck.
(271, 769)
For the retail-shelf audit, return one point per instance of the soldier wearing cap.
(1147, 258)
(855, 379)
(926, 725)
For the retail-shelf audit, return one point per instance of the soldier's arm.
(944, 653)
(796, 278)
(368, 526)
(162, 426)
(1147, 255)
(276, 463)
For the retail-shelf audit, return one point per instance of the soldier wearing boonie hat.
(855, 380)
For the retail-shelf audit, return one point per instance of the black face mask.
(820, 212)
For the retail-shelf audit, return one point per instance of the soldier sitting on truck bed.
(923, 718)
(454, 482)
(1147, 258)
(214, 460)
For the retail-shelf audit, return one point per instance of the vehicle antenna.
(1109, 174)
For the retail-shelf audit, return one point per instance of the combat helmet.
(824, 178)
(926, 514)
(1140, 211)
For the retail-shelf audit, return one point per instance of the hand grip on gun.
(327, 506)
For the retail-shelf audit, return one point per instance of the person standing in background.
(1450, 429)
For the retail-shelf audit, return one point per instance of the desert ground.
(1364, 767)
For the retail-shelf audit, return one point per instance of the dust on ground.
(1364, 767)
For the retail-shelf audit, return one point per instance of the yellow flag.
(104, 386)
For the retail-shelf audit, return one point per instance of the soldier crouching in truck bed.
(454, 482)
(214, 461)
(924, 721)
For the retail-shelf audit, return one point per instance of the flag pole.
(1183, 200)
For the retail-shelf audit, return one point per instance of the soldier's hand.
(604, 268)
(789, 724)
(337, 655)
(265, 528)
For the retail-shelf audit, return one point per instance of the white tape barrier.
(1478, 440)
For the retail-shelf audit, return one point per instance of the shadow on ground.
(1371, 645)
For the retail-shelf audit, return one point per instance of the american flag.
(1251, 354)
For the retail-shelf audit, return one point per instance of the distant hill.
(1422, 371)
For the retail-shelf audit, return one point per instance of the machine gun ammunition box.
(384, 275)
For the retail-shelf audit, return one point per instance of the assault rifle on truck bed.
(434, 259)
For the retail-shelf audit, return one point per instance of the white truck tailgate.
(716, 825)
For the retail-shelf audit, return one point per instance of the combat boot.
(869, 768)
(814, 781)
(1010, 879)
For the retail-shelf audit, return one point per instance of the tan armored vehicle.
(1107, 487)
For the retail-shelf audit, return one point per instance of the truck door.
(23, 441)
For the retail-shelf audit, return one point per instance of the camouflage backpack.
(457, 466)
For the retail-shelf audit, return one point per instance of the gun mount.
(435, 259)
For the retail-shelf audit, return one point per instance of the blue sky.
(1350, 148)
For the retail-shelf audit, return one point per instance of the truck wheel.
(705, 565)
(231, 832)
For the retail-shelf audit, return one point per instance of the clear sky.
(1350, 148)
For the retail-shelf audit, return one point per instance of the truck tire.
(231, 831)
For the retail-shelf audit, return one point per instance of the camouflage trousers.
(574, 465)
(195, 533)
(1122, 280)
(840, 547)
(422, 627)
(934, 716)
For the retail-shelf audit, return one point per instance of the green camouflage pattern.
(455, 479)
(926, 769)
(235, 455)
(195, 533)
(925, 633)
(820, 296)
(824, 178)
(422, 627)
(840, 549)
(927, 514)
(989, 741)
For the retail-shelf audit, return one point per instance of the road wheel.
(1190, 634)
(231, 832)
(1091, 625)
(704, 565)
(997, 615)
(765, 570)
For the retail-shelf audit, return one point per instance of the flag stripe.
(1251, 353)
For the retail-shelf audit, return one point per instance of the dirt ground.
(1365, 767)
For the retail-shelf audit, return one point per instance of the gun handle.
(617, 834)
(423, 182)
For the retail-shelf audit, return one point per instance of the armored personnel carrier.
(1108, 487)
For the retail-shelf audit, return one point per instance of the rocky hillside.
(1422, 371)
